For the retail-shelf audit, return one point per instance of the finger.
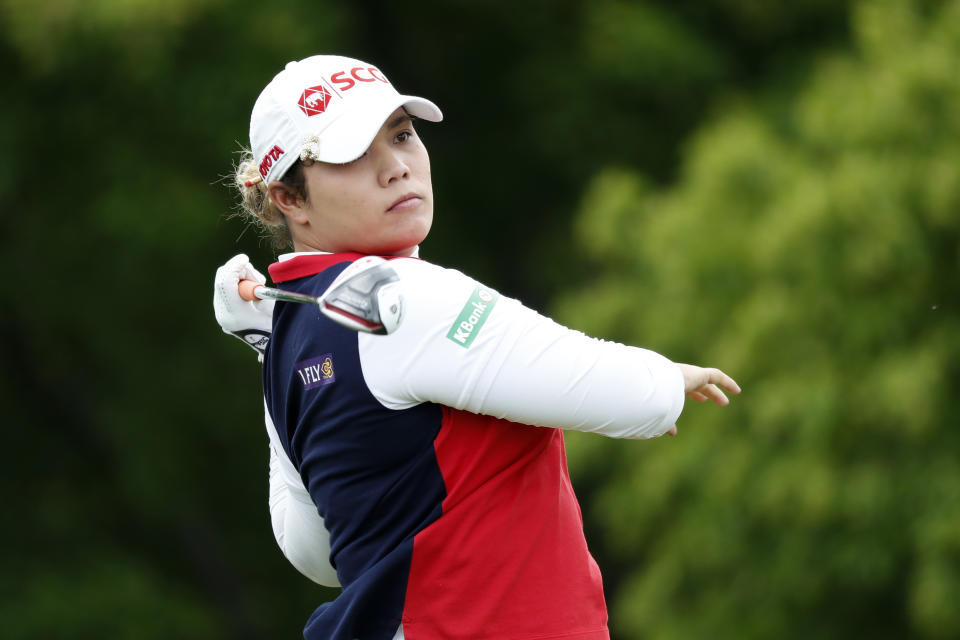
(696, 396)
(719, 377)
(672, 431)
(237, 262)
(714, 393)
(231, 271)
(249, 272)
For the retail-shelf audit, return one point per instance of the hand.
(702, 384)
(251, 322)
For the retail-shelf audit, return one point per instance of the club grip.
(248, 288)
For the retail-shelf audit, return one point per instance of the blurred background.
(772, 188)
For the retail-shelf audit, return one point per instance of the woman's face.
(381, 203)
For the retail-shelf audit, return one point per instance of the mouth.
(405, 202)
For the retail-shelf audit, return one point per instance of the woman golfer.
(433, 456)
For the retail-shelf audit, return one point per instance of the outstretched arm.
(465, 346)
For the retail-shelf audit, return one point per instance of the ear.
(292, 207)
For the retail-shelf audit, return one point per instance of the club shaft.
(286, 296)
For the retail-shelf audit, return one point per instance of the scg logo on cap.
(314, 100)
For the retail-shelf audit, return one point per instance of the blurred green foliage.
(810, 248)
(767, 187)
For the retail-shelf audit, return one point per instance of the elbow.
(303, 539)
(315, 566)
(307, 548)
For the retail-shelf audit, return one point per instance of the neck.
(299, 246)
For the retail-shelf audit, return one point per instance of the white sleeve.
(462, 345)
(300, 531)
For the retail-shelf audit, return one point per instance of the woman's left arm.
(299, 530)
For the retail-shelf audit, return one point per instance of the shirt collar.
(300, 264)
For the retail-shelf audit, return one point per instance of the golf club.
(366, 297)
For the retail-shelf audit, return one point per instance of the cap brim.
(349, 136)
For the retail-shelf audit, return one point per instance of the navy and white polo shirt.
(435, 458)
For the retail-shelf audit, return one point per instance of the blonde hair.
(255, 205)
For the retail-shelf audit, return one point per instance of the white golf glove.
(248, 321)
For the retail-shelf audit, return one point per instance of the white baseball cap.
(326, 108)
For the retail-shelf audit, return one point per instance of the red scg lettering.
(338, 79)
(357, 74)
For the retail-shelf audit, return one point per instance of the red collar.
(309, 265)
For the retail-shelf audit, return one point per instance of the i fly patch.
(472, 316)
(316, 372)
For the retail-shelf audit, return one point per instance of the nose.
(392, 167)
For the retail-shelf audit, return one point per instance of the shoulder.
(426, 278)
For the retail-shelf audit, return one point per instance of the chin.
(406, 245)
(411, 236)
(401, 237)
(401, 253)
(391, 247)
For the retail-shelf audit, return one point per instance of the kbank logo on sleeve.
(472, 316)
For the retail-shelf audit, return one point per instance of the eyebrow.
(398, 121)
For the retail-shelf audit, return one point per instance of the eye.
(404, 136)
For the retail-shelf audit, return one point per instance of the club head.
(366, 297)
